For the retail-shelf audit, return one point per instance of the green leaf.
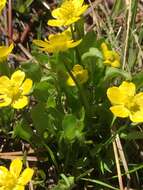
(32, 71)
(72, 127)
(132, 135)
(40, 118)
(88, 41)
(118, 7)
(41, 91)
(23, 131)
(100, 183)
(51, 102)
(112, 72)
(66, 183)
(93, 52)
(138, 79)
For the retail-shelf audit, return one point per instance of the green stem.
(74, 38)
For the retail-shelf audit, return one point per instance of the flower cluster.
(69, 12)
(12, 179)
(125, 102)
(13, 91)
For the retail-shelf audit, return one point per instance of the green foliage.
(72, 127)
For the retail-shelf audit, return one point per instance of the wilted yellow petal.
(16, 167)
(120, 111)
(20, 103)
(116, 96)
(128, 88)
(26, 176)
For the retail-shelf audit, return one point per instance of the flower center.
(132, 105)
(8, 181)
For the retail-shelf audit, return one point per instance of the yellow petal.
(116, 96)
(18, 77)
(26, 86)
(115, 63)
(40, 43)
(4, 80)
(5, 51)
(3, 174)
(3, 170)
(71, 20)
(77, 68)
(26, 176)
(2, 4)
(82, 10)
(128, 88)
(56, 13)
(5, 100)
(20, 103)
(16, 167)
(74, 44)
(82, 77)
(18, 187)
(104, 47)
(138, 98)
(70, 82)
(120, 111)
(54, 22)
(78, 3)
(136, 116)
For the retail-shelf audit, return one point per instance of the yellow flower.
(12, 179)
(111, 58)
(5, 51)
(57, 42)
(13, 91)
(125, 102)
(2, 4)
(80, 74)
(68, 13)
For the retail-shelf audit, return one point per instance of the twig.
(117, 162)
(95, 20)
(26, 52)
(129, 6)
(122, 156)
(118, 166)
(29, 158)
(10, 20)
